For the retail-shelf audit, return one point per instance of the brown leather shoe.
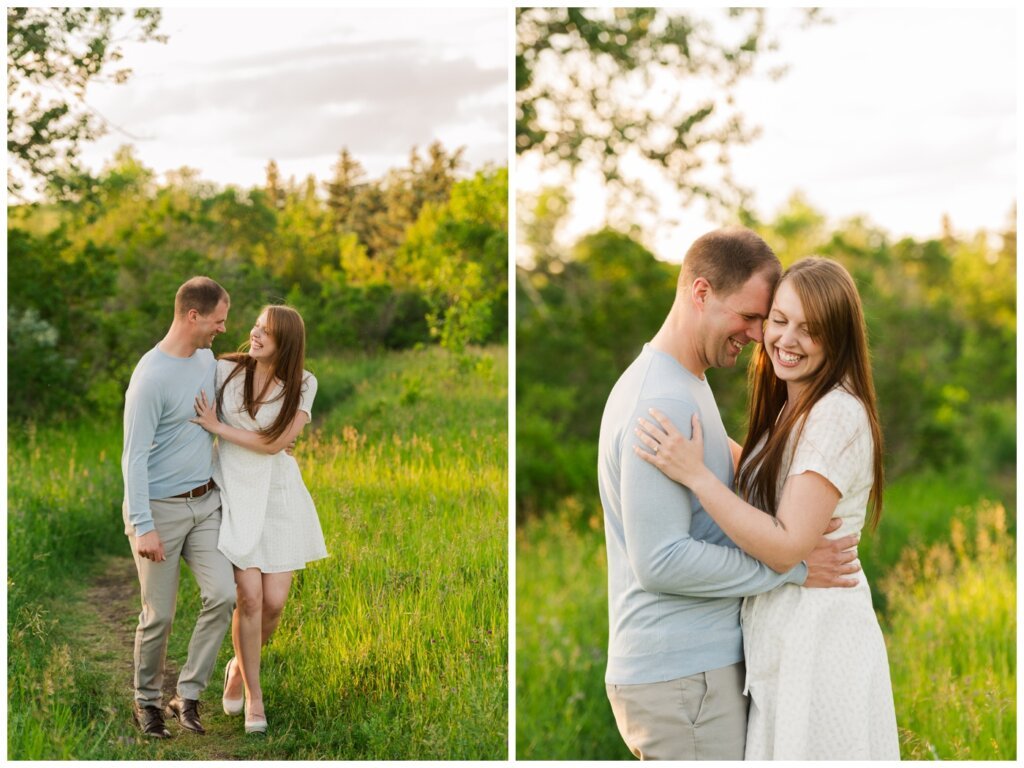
(186, 712)
(150, 721)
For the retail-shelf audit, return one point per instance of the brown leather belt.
(202, 490)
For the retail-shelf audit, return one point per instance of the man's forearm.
(688, 566)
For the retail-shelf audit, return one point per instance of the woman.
(817, 671)
(269, 527)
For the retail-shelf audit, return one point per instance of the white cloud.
(233, 89)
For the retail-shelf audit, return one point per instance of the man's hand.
(149, 546)
(833, 560)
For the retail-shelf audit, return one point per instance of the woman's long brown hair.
(289, 332)
(835, 319)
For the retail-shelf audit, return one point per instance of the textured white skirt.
(817, 676)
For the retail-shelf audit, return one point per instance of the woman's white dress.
(817, 670)
(268, 518)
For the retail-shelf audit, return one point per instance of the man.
(171, 506)
(675, 675)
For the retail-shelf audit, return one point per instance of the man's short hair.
(727, 258)
(201, 294)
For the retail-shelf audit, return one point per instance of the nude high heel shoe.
(257, 724)
(231, 706)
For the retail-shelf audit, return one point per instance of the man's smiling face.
(208, 327)
(733, 320)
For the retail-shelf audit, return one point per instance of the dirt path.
(106, 638)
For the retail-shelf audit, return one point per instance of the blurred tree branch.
(604, 88)
(52, 56)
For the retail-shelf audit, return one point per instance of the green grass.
(63, 513)
(562, 712)
(392, 648)
(950, 632)
(952, 639)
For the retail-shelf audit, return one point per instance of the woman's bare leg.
(275, 592)
(250, 618)
(233, 688)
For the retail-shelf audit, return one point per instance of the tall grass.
(949, 625)
(917, 514)
(63, 511)
(952, 638)
(562, 712)
(394, 647)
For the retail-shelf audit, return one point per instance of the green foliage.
(579, 323)
(49, 340)
(117, 251)
(394, 647)
(379, 214)
(60, 51)
(32, 351)
(458, 254)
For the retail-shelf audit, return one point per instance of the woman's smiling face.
(795, 354)
(262, 346)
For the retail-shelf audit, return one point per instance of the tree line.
(418, 256)
(941, 317)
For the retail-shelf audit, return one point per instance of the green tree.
(381, 212)
(304, 240)
(51, 300)
(52, 56)
(431, 178)
(581, 318)
(341, 189)
(273, 187)
(457, 255)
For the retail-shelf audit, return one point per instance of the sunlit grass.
(952, 644)
(917, 513)
(394, 647)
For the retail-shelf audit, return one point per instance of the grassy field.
(942, 569)
(393, 648)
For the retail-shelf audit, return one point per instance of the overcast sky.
(898, 114)
(234, 88)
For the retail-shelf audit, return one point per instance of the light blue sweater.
(674, 578)
(164, 453)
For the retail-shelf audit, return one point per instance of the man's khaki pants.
(700, 717)
(189, 529)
